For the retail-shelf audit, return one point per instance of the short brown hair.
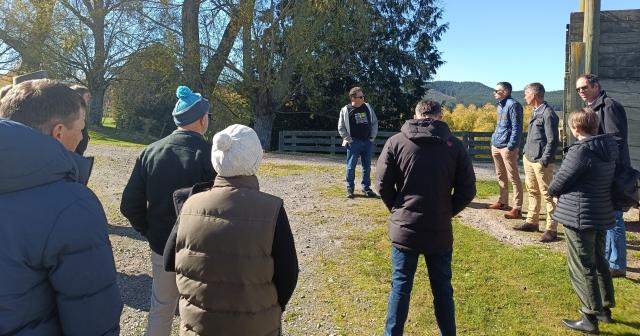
(585, 119)
(4, 90)
(591, 79)
(354, 90)
(427, 108)
(42, 104)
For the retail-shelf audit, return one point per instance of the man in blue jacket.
(505, 150)
(58, 272)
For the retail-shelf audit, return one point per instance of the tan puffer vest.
(223, 260)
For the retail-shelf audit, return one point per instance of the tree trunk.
(96, 74)
(264, 115)
(96, 111)
(191, 45)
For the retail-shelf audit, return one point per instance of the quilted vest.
(224, 265)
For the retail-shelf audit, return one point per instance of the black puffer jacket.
(583, 184)
(425, 177)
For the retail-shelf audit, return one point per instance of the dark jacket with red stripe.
(424, 177)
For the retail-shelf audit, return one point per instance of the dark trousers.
(589, 269)
(404, 264)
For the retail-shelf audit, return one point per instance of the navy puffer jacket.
(58, 273)
(583, 184)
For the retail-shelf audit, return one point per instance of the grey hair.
(535, 88)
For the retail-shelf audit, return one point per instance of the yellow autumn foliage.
(477, 119)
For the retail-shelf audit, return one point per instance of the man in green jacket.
(179, 160)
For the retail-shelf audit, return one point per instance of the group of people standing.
(223, 251)
(425, 177)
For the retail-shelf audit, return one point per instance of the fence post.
(333, 145)
(280, 141)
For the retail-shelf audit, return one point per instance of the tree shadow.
(125, 231)
(135, 290)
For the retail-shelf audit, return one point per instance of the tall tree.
(96, 39)
(304, 55)
(25, 26)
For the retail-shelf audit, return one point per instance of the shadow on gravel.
(135, 290)
(478, 205)
(125, 231)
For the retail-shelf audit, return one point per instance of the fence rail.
(478, 144)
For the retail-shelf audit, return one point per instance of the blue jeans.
(404, 264)
(616, 249)
(359, 149)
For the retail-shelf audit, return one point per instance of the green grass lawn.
(499, 289)
(108, 134)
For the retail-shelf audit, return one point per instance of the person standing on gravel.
(237, 269)
(179, 160)
(424, 177)
(612, 120)
(505, 149)
(57, 265)
(539, 154)
(358, 127)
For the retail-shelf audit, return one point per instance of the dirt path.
(317, 235)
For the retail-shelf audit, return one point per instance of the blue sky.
(516, 41)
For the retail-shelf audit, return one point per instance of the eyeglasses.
(496, 91)
(358, 97)
(210, 115)
(582, 88)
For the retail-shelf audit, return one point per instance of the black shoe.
(616, 273)
(605, 316)
(588, 324)
(370, 193)
(349, 193)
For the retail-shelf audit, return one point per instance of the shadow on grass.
(115, 136)
(125, 231)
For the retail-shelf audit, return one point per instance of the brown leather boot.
(513, 214)
(498, 206)
(528, 227)
(548, 236)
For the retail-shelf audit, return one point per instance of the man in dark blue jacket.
(177, 161)
(425, 177)
(58, 273)
(612, 120)
(505, 149)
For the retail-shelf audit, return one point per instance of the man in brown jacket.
(425, 177)
(235, 261)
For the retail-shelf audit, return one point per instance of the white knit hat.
(236, 151)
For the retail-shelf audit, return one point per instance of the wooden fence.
(478, 144)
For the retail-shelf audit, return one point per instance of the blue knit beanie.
(190, 106)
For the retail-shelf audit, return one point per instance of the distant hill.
(451, 93)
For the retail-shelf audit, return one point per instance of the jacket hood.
(603, 146)
(31, 159)
(426, 130)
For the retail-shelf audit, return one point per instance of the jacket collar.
(188, 132)
(599, 101)
(503, 102)
(238, 182)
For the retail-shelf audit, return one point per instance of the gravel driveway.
(111, 171)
